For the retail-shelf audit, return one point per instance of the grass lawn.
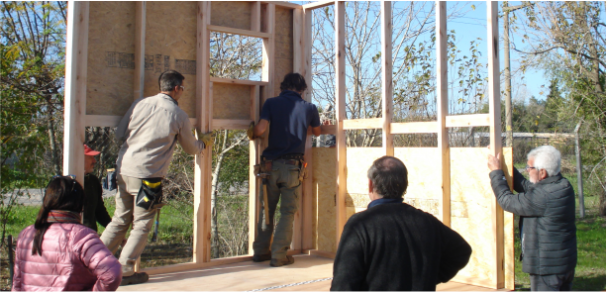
(175, 242)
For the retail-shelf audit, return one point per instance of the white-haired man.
(546, 204)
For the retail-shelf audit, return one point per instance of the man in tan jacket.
(148, 133)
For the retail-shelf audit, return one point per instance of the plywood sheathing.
(170, 43)
(283, 48)
(111, 59)
(231, 101)
(424, 191)
(471, 197)
(509, 259)
(234, 14)
(470, 184)
(324, 194)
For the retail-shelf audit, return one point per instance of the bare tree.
(413, 63)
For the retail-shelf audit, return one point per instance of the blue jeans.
(283, 184)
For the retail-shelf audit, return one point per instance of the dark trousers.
(556, 282)
(283, 184)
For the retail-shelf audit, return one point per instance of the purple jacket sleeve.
(100, 262)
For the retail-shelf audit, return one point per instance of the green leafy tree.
(32, 52)
(567, 39)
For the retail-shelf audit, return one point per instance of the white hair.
(546, 157)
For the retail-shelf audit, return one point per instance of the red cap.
(90, 152)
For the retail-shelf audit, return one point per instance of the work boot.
(136, 278)
(282, 262)
(262, 257)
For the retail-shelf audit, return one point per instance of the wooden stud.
(267, 74)
(308, 191)
(387, 87)
(284, 4)
(138, 80)
(298, 41)
(254, 158)
(75, 88)
(202, 168)
(237, 81)
(362, 124)
(302, 227)
(413, 128)
(495, 136)
(238, 31)
(256, 16)
(474, 120)
(340, 114)
(317, 4)
(442, 106)
(307, 51)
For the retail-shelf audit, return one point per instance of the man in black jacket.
(394, 246)
(546, 204)
(94, 209)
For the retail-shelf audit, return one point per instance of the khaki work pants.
(283, 184)
(128, 213)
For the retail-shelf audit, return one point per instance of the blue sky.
(472, 25)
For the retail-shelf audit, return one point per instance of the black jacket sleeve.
(528, 203)
(455, 253)
(101, 214)
(349, 269)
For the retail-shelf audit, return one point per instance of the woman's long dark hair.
(62, 193)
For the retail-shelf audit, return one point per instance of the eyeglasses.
(527, 168)
(182, 87)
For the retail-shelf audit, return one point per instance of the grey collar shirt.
(148, 133)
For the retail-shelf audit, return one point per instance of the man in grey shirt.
(148, 133)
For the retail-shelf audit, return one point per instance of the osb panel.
(283, 48)
(111, 59)
(323, 182)
(235, 14)
(424, 189)
(359, 161)
(170, 43)
(231, 101)
(508, 226)
(470, 183)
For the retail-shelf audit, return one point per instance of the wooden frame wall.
(262, 26)
(444, 121)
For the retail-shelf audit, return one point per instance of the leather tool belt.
(150, 193)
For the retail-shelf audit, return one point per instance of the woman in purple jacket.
(58, 252)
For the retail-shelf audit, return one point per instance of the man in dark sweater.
(546, 204)
(394, 246)
(288, 117)
(94, 210)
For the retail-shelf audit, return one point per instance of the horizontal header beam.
(245, 32)
(319, 4)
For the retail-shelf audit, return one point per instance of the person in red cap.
(94, 210)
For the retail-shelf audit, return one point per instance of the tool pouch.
(150, 193)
